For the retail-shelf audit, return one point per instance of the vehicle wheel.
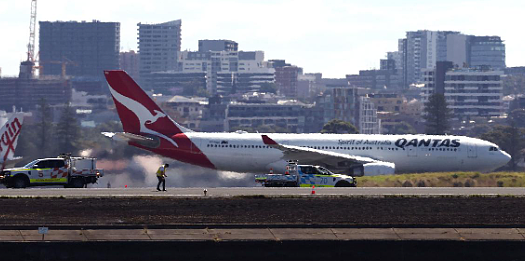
(343, 184)
(20, 182)
(77, 183)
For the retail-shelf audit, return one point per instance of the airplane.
(147, 127)
(9, 139)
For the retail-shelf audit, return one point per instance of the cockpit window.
(493, 149)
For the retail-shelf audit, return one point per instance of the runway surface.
(254, 191)
(268, 234)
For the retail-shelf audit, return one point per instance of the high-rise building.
(81, 48)
(339, 103)
(26, 94)
(520, 70)
(387, 102)
(423, 49)
(469, 92)
(376, 79)
(457, 49)
(218, 45)
(487, 51)
(175, 82)
(284, 114)
(229, 72)
(368, 121)
(158, 48)
(129, 62)
(286, 80)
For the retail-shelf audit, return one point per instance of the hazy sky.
(334, 37)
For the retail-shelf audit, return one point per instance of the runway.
(260, 191)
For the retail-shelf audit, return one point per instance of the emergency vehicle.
(305, 176)
(71, 172)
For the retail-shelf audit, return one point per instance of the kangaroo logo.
(145, 116)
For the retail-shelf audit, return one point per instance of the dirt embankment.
(337, 211)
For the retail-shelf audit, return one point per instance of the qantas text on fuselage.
(258, 153)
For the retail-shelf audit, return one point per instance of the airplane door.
(411, 151)
(472, 150)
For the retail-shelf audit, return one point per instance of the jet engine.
(373, 169)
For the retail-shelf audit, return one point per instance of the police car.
(305, 176)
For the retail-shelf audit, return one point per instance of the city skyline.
(335, 39)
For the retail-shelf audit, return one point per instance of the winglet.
(268, 141)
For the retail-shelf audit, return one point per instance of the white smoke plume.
(140, 171)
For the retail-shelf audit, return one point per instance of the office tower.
(79, 48)
(158, 48)
(470, 92)
(129, 62)
(487, 51)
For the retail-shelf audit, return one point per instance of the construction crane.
(32, 27)
(26, 67)
(65, 61)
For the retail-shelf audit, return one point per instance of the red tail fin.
(9, 137)
(137, 111)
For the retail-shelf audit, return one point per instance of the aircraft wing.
(317, 157)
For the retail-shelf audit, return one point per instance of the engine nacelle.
(379, 168)
(373, 169)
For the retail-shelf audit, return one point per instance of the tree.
(513, 84)
(402, 128)
(437, 115)
(194, 87)
(479, 129)
(36, 140)
(68, 131)
(340, 127)
(27, 147)
(510, 139)
(45, 127)
(262, 129)
(268, 87)
(518, 117)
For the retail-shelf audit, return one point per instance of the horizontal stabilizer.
(130, 137)
(10, 163)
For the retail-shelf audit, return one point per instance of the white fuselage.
(246, 152)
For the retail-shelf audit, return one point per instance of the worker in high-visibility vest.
(161, 175)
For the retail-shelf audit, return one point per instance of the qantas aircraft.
(147, 127)
(9, 139)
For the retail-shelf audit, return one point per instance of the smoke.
(140, 171)
(86, 152)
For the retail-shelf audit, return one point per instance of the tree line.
(44, 138)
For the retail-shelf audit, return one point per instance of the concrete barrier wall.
(361, 250)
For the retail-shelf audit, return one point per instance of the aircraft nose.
(505, 158)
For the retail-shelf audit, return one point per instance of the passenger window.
(58, 164)
(42, 165)
(307, 170)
